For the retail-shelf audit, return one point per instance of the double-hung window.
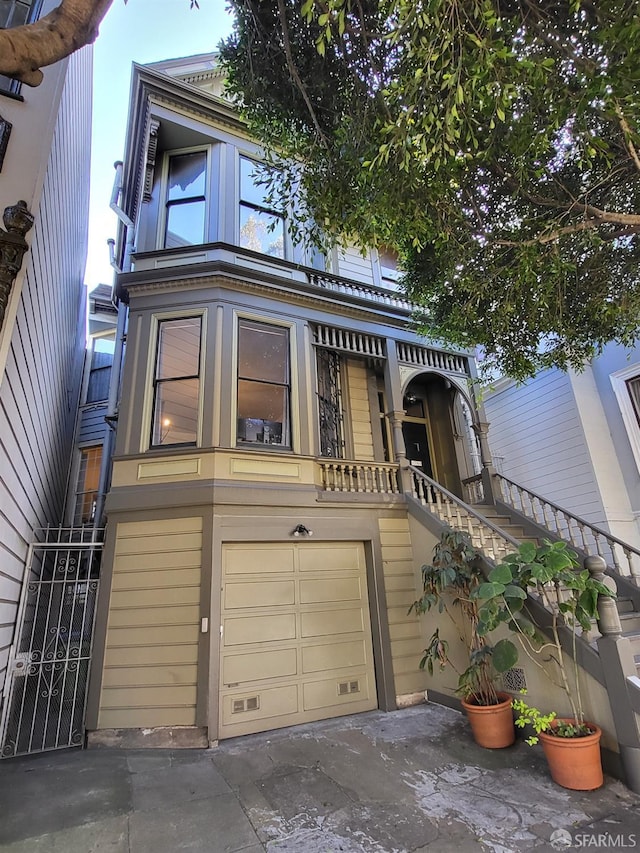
(176, 384)
(261, 225)
(186, 203)
(264, 384)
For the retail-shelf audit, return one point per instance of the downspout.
(111, 416)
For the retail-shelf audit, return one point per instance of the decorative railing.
(619, 556)
(484, 535)
(347, 287)
(360, 477)
(473, 489)
(433, 358)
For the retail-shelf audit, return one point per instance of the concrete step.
(630, 622)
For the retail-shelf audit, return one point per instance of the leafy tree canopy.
(494, 143)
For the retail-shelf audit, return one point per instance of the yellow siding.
(360, 412)
(406, 637)
(151, 656)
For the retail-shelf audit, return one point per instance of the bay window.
(261, 225)
(185, 215)
(176, 384)
(264, 389)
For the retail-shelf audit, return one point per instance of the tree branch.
(293, 71)
(71, 25)
(626, 132)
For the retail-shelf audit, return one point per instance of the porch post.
(393, 394)
(618, 666)
(481, 429)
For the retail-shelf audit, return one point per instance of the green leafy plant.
(450, 583)
(551, 574)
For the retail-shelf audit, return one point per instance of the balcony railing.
(348, 287)
(370, 478)
(619, 556)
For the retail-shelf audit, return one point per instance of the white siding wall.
(40, 383)
(351, 264)
(537, 430)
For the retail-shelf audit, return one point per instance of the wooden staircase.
(496, 527)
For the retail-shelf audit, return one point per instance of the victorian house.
(287, 453)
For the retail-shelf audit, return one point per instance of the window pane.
(14, 13)
(178, 348)
(250, 191)
(185, 224)
(263, 352)
(261, 232)
(176, 412)
(187, 176)
(262, 413)
(87, 485)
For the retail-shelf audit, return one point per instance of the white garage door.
(296, 635)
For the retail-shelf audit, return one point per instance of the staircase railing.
(485, 535)
(619, 556)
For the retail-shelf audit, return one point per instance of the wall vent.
(514, 680)
(346, 687)
(251, 703)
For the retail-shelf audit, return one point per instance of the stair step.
(630, 622)
(625, 605)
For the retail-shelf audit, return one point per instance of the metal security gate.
(46, 685)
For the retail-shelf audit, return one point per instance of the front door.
(417, 446)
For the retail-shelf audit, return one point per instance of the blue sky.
(140, 31)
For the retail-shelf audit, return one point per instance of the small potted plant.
(551, 574)
(450, 583)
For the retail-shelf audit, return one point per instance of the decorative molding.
(150, 164)
(5, 133)
(17, 220)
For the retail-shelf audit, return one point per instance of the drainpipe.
(111, 416)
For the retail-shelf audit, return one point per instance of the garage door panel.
(259, 629)
(249, 706)
(296, 644)
(328, 623)
(331, 558)
(253, 666)
(335, 589)
(333, 656)
(259, 594)
(327, 693)
(243, 560)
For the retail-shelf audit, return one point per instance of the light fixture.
(301, 530)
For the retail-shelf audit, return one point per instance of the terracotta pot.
(574, 762)
(492, 725)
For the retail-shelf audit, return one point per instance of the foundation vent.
(513, 680)
(346, 687)
(251, 703)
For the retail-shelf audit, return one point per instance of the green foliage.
(527, 715)
(450, 583)
(551, 574)
(495, 145)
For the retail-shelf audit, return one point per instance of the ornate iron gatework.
(46, 686)
(330, 404)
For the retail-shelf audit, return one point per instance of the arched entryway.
(436, 430)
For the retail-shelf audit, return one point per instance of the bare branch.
(71, 25)
(626, 130)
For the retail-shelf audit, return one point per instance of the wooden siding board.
(151, 654)
(537, 430)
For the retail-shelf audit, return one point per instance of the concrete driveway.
(412, 780)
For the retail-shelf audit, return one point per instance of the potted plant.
(551, 574)
(450, 582)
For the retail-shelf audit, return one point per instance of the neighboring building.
(258, 563)
(575, 438)
(44, 153)
(92, 427)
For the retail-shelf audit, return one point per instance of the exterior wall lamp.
(301, 530)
